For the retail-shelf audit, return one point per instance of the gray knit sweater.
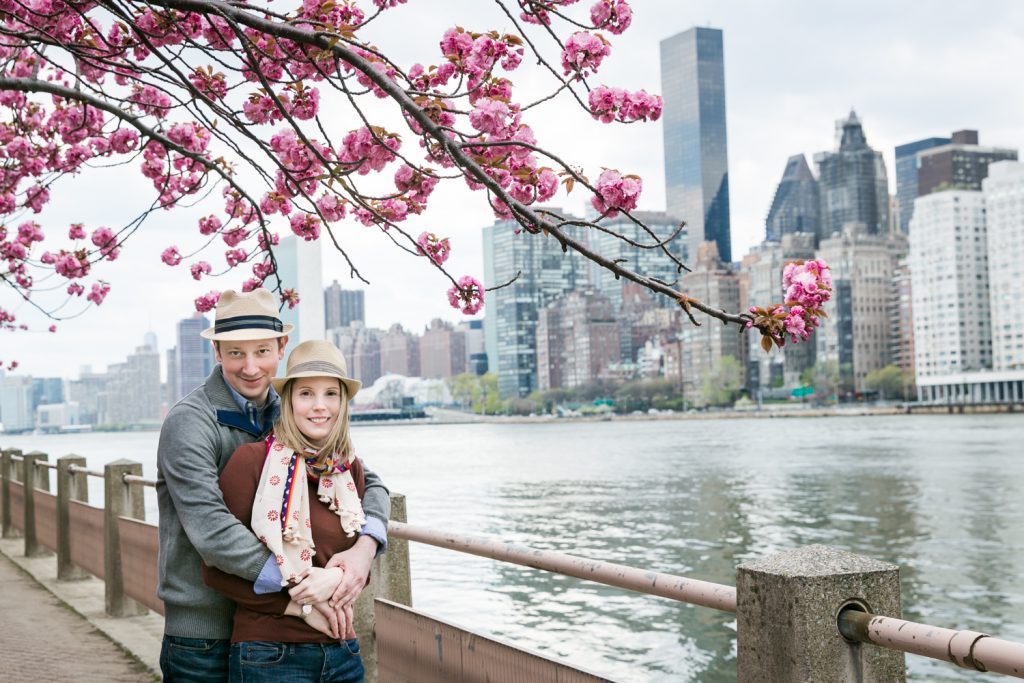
(198, 437)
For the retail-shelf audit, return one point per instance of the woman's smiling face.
(316, 404)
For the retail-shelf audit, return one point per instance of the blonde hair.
(288, 433)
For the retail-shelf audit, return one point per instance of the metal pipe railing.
(136, 479)
(967, 649)
(681, 588)
(78, 469)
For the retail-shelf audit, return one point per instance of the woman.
(300, 492)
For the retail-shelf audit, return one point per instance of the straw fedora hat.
(317, 358)
(246, 316)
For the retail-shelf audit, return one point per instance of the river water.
(942, 496)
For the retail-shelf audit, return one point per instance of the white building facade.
(949, 282)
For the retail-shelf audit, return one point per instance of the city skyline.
(780, 103)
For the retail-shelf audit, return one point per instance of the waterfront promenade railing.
(801, 615)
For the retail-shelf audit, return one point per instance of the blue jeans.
(194, 660)
(256, 661)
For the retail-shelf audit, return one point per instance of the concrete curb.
(138, 636)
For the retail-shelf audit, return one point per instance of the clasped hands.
(331, 590)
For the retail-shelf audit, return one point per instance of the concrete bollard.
(31, 476)
(389, 579)
(786, 608)
(120, 500)
(7, 475)
(70, 486)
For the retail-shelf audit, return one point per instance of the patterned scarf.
(280, 512)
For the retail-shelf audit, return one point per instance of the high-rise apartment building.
(442, 351)
(299, 266)
(906, 176)
(696, 155)
(1004, 213)
(577, 339)
(949, 276)
(193, 356)
(901, 318)
(852, 183)
(796, 204)
(343, 306)
(960, 165)
(476, 350)
(361, 347)
(539, 273)
(400, 352)
(16, 413)
(716, 284)
(855, 335)
(133, 390)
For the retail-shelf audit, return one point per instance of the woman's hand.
(356, 563)
(316, 584)
(323, 618)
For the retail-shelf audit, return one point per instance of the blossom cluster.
(808, 286)
(467, 295)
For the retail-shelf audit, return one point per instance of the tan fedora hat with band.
(246, 316)
(317, 358)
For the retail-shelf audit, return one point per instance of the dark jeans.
(257, 661)
(194, 660)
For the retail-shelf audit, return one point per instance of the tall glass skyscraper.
(853, 183)
(796, 203)
(696, 165)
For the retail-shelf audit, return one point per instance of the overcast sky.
(792, 68)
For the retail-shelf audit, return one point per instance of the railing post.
(70, 486)
(30, 476)
(120, 500)
(389, 579)
(6, 476)
(786, 611)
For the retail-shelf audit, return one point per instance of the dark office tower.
(796, 204)
(343, 306)
(194, 356)
(696, 166)
(960, 165)
(852, 183)
(906, 176)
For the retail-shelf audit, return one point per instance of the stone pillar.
(70, 486)
(389, 579)
(31, 475)
(120, 500)
(786, 608)
(6, 477)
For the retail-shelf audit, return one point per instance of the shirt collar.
(249, 407)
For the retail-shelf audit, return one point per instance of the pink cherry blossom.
(98, 293)
(434, 247)
(616, 193)
(583, 53)
(170, 256)
(207, 302)
(199, 269)
(467, 295)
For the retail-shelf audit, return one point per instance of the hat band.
(316, 366)
(245, 322)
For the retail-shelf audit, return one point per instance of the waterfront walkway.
(43, 639)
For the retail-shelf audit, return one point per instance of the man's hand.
(356, 563)
(316, 584)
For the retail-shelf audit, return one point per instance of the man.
(236, 405)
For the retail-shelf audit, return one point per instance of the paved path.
(42, 640)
